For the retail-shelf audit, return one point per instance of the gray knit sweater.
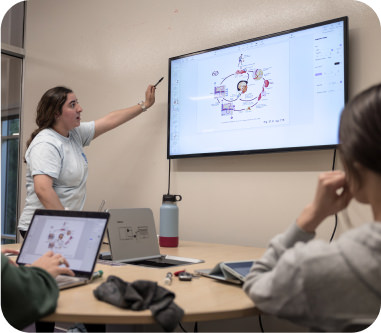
(319, 285)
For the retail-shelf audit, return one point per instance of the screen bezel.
(343, 19)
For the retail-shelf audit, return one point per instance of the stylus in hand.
(159, 82)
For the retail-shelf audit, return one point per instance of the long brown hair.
(49, 106)
(360, 132)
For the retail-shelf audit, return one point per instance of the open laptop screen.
(76, 235)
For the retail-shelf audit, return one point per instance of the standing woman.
(56, 164)
(330, 286)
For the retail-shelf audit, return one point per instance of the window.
(12, 55)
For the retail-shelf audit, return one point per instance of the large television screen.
(283, 91)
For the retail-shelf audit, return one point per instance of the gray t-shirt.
(63, 159)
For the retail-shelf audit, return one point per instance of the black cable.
(181, 326)
(334, 159)
(169, 175)
(195, 326)
(333, 168)
(334, 229)
(260, 323)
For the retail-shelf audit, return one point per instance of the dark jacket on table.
(27, 293)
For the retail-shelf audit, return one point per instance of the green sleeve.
(27, 293)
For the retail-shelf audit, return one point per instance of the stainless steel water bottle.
(169, 221)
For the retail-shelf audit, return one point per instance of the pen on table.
(159, 81)
(97, 275)
(168, 278)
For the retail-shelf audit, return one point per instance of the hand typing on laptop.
(52, 262)
(10, 252)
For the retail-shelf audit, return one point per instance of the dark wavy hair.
(360, 132)
(49, 106)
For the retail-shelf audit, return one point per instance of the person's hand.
(10, 251)
(332, 195)
(150, 96)
(52, 264)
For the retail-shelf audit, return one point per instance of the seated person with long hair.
(326, 286)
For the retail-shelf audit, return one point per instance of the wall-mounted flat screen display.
(283, 91)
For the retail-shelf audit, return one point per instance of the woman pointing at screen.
(57, 166)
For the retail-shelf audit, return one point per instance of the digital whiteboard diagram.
(244, 89)
(241, 91)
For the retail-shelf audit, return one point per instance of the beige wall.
(109, 53)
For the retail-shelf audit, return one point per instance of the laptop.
(77, 235)
(133, 240)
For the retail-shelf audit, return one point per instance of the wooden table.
(202, 299)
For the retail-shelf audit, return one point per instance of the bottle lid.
(172, 197)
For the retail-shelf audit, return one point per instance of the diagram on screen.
(242, 90)
(62, 237)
